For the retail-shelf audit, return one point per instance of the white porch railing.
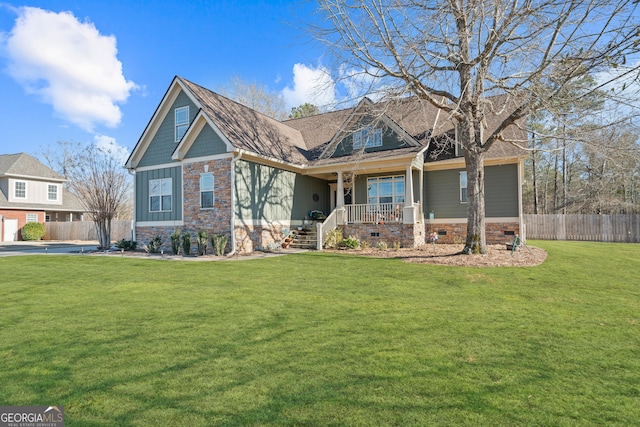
(374, 214)
(329, 224)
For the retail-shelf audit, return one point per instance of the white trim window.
(367, 137)
(52, 192)
(20, 190)
(32, 217)
(206, 190)
(182, 122)
(160, 192)
(464, 198)
(385, 189)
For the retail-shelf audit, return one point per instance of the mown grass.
(324, 339)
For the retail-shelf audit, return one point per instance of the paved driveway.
(44, 247)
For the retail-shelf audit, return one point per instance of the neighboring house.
(32, 192)
(383, 172)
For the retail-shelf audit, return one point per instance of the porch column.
(340, 199)
(409, 209)
(340, 191)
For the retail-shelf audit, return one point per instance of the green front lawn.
(325, 339)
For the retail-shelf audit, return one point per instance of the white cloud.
(313, 85)
(69, 64)
(108, 145)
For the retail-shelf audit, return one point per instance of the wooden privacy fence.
(599, 228)
(84, 230)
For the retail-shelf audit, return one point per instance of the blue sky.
(86, 71)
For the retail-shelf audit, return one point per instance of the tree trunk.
(476, 242)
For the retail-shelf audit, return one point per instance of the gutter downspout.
(233, 202)
(133, 221)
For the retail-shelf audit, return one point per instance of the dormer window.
(367, 137)
(182, 122)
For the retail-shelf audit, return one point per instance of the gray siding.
(442, 192)
(390, 141)
(164, 141)
(207, 143)
(267, 193)
(142, 195)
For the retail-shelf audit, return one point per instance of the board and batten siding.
(442, 192)
(164, 141)
(265, 193)
(142, 194)
(36, 192)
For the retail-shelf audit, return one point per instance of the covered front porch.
(392, 208)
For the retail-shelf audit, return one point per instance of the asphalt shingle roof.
(302, 141)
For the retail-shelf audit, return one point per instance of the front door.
(348, 195)
(10, 230)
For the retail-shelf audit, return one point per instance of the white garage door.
(10, 230)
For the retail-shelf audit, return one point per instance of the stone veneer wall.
(409, 235)
(216, 220)
(457, 233)
(257, 237)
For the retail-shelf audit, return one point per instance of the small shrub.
(382, 245)
(186, 243)
(219, 243)
(32, 231)
(175, 241)
(333, 238)
(397, 245)
(202, 240)
(154, 246)
(365, 244)
(351, 242)
(127, 245)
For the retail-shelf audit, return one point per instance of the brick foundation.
(496, 232)
(408, 235)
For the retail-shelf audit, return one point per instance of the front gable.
(163, 142)
(201, 139)
(367, 132)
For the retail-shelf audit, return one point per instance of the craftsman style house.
(383, 172)
(32, 192)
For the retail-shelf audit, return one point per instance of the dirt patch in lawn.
(443, 254)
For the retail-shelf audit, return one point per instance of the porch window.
(206, 190)
(463, 187)
(367, 137)
(385, 189)
(182, 122)
(160, 191)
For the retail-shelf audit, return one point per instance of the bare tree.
(257, 97)
(456, 54)
(103, 186)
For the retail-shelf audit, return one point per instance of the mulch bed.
(445, 254)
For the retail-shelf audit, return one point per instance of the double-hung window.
(367, 137)
(20, 190)
(463, 187)
(160, 195)
(385, 189)
(52, 192)
(182, 122)
(206, 190)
